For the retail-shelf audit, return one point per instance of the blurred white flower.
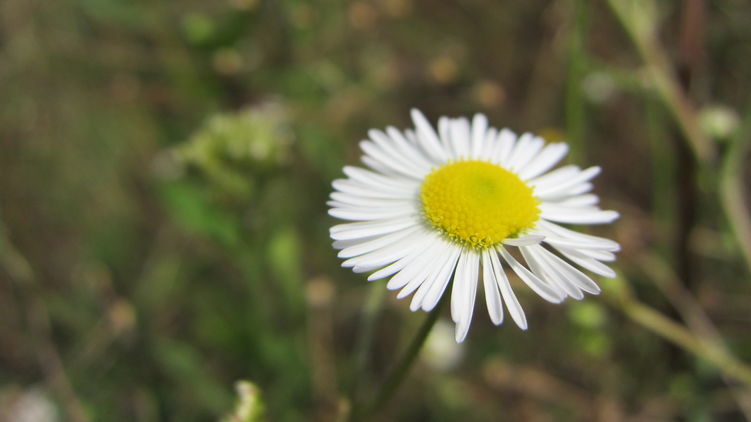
(441, 352)
(32, 405)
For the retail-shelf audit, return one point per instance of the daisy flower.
(458, 206)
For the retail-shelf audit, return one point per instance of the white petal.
(545, 270)
(355, 189)
(388, 146)
(551, 189)
(364, 214)
(369, 178)
(555, 177)
(479, 130)
(395, 267)
(456, 288)
(417, 281)
(414, 247)
(580, 201)
(489, 144)
(382, 157)
(570, 273)
(505, 143)
(442, 280)
(546, 291)
(572, 191)
(369, 228)
(470, 291)
(394, 190)
(492, 295)
(519, 149)
(509, 298)
(378, 258)
(577, 216)
(341, 244)
(460, 134)
(359, 201)
(530, 239)
(427, 137)
(592, 246)
(380, 168)
(588, 263)
(565, 233)
(441, 260)
(525, 153)
(410, 150)
(379, 242)
(597, 254)
(544, 161)
(557, 241)
(444, 133)
(416, 269)
(439, 254)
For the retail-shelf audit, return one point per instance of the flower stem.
(400, 371)
(732, 188)
(639, 19)
(705, 348)
(365, 340)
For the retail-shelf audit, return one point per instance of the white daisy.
(453, 205)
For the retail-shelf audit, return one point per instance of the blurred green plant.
(229, 147)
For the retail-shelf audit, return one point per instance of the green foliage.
(193, 210)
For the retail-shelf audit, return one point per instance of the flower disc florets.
(477, 204)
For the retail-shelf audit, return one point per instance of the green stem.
(51, 365)
(401, 370)
(365, 340)
(577, 65)
(676, 333)
(638, 18)
(732, 189)
(673, 332)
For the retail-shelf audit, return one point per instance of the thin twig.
(577, 66)
(676, 333)
(694, 316)
(400, 371)
(365, 338)
(37, 315)
(639, 21)
(732, 188)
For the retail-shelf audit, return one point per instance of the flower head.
(443, 208)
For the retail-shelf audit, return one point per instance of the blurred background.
(164, 168)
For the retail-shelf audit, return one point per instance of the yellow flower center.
(477, 204)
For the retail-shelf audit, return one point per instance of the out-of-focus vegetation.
(164, 168)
